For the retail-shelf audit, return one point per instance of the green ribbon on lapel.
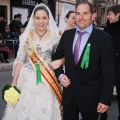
(85, 59)
(38, 75)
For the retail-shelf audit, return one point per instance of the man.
(89, 74)
(2, 25)
(8, 34)
(12, 23)
(16, 24)
(19, 17)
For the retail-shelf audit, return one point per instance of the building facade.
(25, 7)
(100, 5)
(8, 8)
(5, 9)
(60, 3)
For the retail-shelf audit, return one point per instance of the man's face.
(83, 16)
(112, 17)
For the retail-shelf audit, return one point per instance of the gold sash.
(48, 75)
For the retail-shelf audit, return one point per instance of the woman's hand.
(13, 84)
(57, 63)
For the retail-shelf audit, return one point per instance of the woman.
(70, 21)
(113, 28)
(40, 97)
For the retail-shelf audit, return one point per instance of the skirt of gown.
(37, 102)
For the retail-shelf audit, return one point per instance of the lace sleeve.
(21, 55)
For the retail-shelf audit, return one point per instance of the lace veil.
(52, 24)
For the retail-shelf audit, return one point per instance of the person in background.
(113, 28)
(5, 51)
(22, 29)
(89, 67)
(25, 24)
(3, 23)
(16, 24)
(70, 21)
(19, 17)
(11, 25)
(70, 24)
(8, 34)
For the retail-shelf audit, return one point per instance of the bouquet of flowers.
(10, 94)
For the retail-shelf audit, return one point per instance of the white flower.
(11, 96)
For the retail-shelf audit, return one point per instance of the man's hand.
(65, 82)
(102, 108)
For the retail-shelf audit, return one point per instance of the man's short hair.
(88, 3)
(19, 15)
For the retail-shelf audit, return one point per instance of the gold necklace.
(41, 36)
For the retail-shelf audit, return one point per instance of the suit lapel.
(71, 40)
(91, 40)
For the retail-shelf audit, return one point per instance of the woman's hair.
(115, 9)
(69, 13)
(41, 8)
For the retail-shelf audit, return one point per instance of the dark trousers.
(89, 116)
(118, 97)
(5, 55)
(16, 50)
(71, 112)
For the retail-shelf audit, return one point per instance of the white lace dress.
(37, 102)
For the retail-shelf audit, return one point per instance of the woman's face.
(71, 20)
(112, 17)
(41, 20)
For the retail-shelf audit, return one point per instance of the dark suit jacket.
(15, 25)
(114, 30)
(94, 84)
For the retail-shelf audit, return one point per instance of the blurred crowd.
(10, 32)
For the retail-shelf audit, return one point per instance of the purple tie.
(77, 47)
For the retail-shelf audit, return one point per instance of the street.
(5, 78)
